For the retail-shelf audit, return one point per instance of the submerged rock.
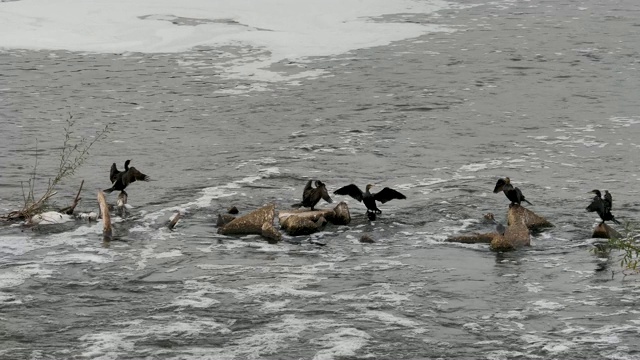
(366, 238)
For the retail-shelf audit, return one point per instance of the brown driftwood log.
(604, 231)
(69, 209)
(258, 222)
(107, 233)
(172, 222)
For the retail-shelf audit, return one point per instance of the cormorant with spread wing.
(512, 193)
(369, 199)
(121, 179)
(311, 196)
(602, 206)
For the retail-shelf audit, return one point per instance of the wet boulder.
(296, 225)
(475, 238)
(604, 231)
(515, 236)
(367, 239)
(532, 221)
(224, 219)
(339, 215)
(258, 222)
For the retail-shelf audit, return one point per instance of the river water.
(545, 92)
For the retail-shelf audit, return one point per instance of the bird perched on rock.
(512, 193)
(311, 196)
(369, 199)
(602, 206)
(121, 179)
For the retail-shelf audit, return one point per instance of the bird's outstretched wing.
(325, 194)
(134, 175)
(352, 190)
(113, 173)
(499, 186)
(596, 205)
(388, 194)
(608, 200)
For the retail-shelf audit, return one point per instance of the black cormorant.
(513, 193)
(602, 206)
(311, 196)
(369, 199)
(121, 179)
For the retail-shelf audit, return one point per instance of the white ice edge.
(280, 29)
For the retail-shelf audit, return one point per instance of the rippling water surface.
(545, 92)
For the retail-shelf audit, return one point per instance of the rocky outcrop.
(475, 238)
(531, 220)
(258, 222)
(224, 219)
(604, 231)
(296, 225)
(517, 234)
(339, 215)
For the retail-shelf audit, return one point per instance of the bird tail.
(296, 205)
(615, 221)
(527, 201)
(108, 191)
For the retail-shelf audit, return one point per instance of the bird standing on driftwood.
(121, 179)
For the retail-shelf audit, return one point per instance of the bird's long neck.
(126, 165)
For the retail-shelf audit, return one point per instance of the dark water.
(544, 92)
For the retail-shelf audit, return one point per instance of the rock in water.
(475, 238)
(297, 225)
(533, 221)
(271, 233)
(341, 215)
(224, 219)
(256, 222)
(604, 231)
(366, 238)
(338, 215)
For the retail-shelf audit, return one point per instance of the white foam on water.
(544, 305)
(266, 340)
(17, 275)
(196, 299)
(216, 192)
(113, 344)
(391, 319)
(343, 342)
